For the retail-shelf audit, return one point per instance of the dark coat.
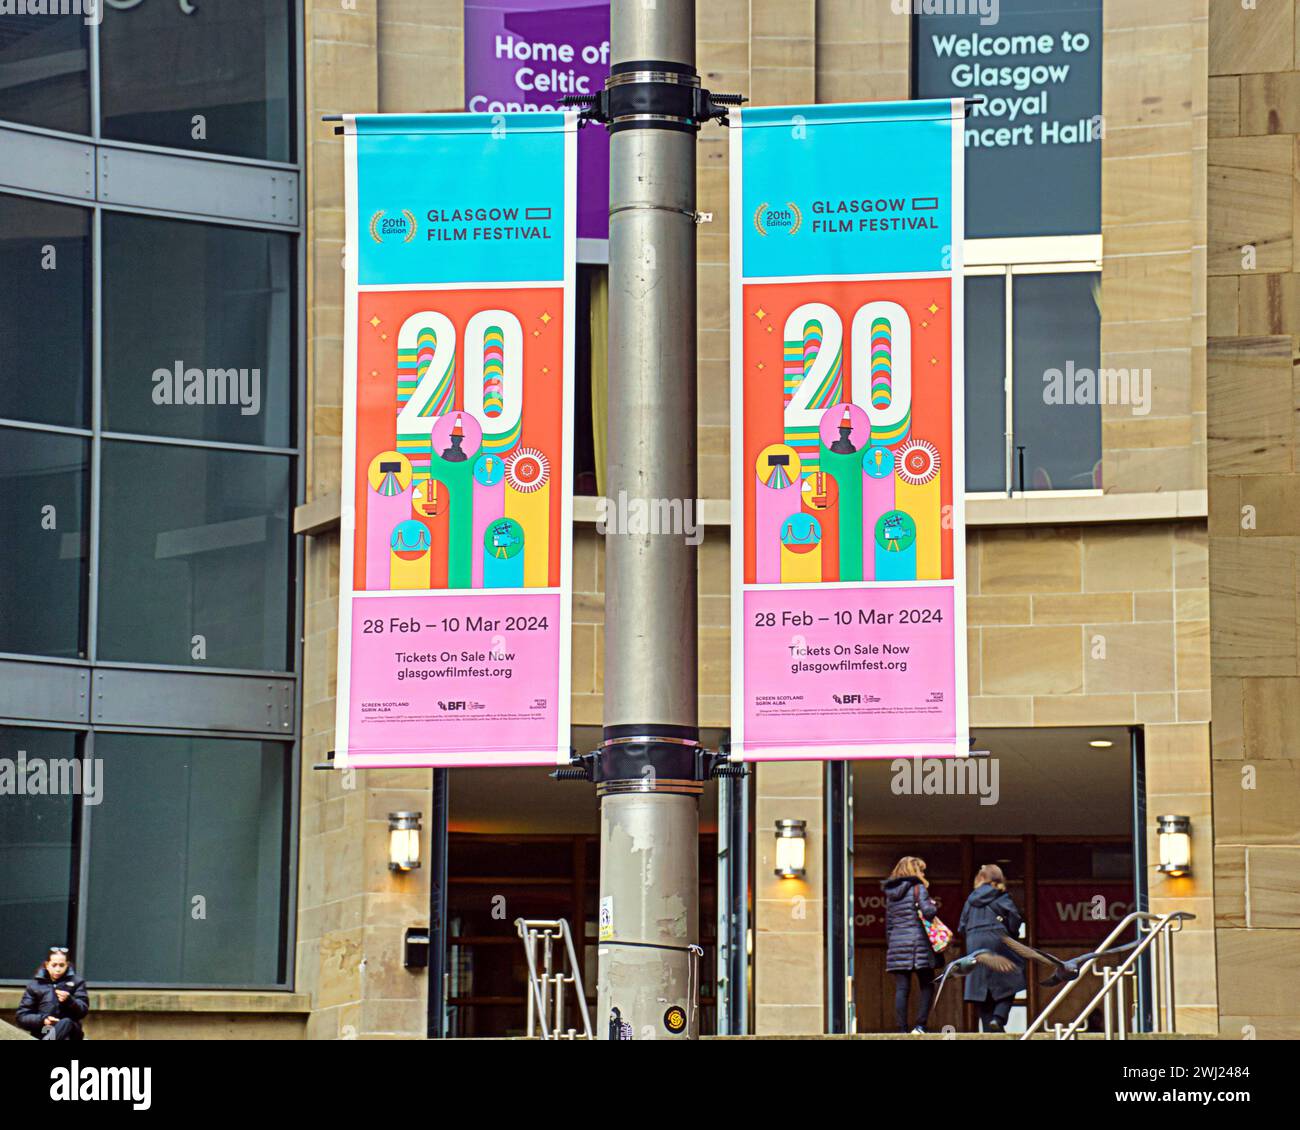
(907, 946)
(39, 1001)
(988, 916)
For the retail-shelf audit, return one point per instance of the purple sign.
(525, 55)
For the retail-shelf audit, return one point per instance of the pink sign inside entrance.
(876, 660)
(402, 645)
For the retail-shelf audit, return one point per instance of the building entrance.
(1054, 808)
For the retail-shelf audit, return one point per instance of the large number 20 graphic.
(494, 373)
(882, 359)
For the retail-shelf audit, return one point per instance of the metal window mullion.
(83, 862)
(94, 79)
(159, 213)
(96, 424)
(190, 669)
(199, 155)
(212, 444)
(58, 429)
(293, 798)
(1008, 380)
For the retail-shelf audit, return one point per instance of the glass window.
(1056, 350)
(44, 311)
(197, 330)
(986, 399)
(1038, 65)
(36, 838)
(211, 77)
(188, 862)
(195, 556)
(44, 484)
(44, 70)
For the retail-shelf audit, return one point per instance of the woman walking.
(908, 952)
(56, 1001)
(990, 914)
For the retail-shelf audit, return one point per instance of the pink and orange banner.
(848, 590)
(455, 590)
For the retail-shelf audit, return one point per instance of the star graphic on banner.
(374, 372)
(925, 325)
(769, 329)
(760, 313)
(934, 360)
(933, 308)
(537, 333)
(374, 321)
(546, 319)
(383, 337)
(546, 372)
(761, 366)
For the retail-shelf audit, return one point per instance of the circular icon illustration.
(675, 1019)
(527, 470)
(845, 428)
(456, 437)
(489, 470)
(429, 499)
(410, 539)
(778, 466)
(820, 491)
(801, 533)
(918, 462)
(895, 531)
(389, 473)
(504, 538)
(878, 462)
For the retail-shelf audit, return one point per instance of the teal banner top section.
(460, 198)
(847, 189)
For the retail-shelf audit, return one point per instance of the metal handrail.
(546, 989)
(1156, 925)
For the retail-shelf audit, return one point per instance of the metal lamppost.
(650, 769)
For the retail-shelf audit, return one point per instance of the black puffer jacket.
(988, 916)
(40, 1001)
(907, 946)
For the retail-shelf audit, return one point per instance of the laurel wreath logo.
(761, 211)
(407, 215)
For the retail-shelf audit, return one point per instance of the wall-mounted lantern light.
(403, 841)
(791, 849)
(1174, 834)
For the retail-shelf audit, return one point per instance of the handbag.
(938, 934)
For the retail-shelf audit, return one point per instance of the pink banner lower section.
(478, 670)
(821, 663)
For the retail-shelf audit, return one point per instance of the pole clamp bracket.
(653, 94)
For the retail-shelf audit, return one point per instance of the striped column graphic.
(918, 493)
(778, 495)
(528, 502)
(877, 499)
(800, 354)
(882, 383)
(421, 396)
